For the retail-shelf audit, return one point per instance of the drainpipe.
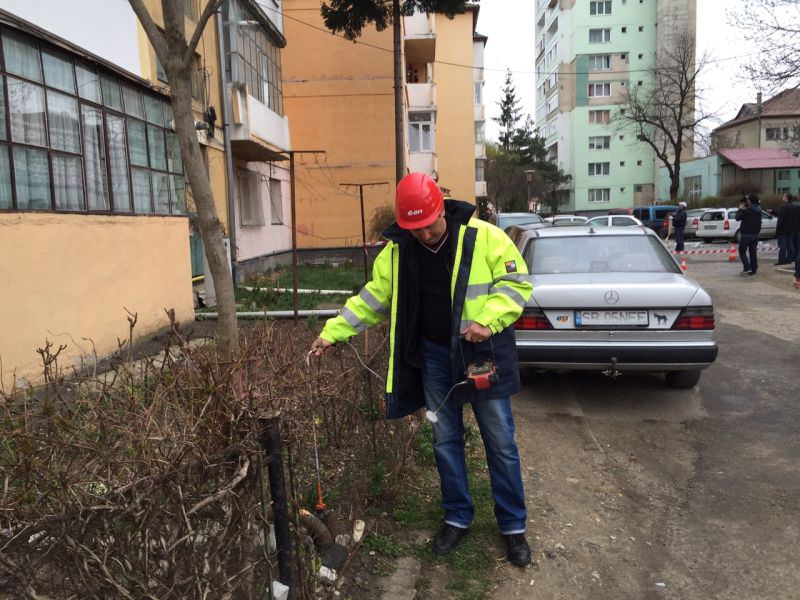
(226, 128)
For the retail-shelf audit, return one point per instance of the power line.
(514, 71)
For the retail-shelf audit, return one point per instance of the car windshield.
(599, 254)
(505, 221)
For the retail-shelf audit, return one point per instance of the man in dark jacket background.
(749, 214)
(679, 223)
(786, 230)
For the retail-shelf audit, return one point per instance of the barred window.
(81, 139)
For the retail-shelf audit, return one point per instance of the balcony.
(480, 112)
(480, 150)
(423, 162)
(257, 133)
(421, 95)
(420, 37)
(480, 189)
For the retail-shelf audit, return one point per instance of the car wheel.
(708, 240)
(682, 379)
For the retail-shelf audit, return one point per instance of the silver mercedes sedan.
(612, 299)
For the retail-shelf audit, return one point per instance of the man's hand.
(321, 347)
(476, 333)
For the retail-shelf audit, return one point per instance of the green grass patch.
(315, 277)
(386, 545)
(268, 299)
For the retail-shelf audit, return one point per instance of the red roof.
(760, 158)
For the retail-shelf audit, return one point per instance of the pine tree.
(510, 113)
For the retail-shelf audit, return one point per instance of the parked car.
(721, 223)
(692, 221)
(504, 220)
(559, 220)
(612, 300)
(614, 221)
(655, 217)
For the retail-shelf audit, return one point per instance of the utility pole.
(399, 145)
(361, 187)
(291, 154)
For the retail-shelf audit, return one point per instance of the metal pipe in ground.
(271, 443)
(271, 314)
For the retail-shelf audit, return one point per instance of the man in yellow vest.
(452, 286)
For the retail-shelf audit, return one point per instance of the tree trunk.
(399, 145)
(208, 219)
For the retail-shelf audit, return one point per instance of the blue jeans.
(748, 243)
(496, 425)
(786, 248)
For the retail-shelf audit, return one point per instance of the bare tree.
(773, 27)
(663, 113)
(176, 53)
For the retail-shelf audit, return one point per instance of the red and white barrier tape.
(723, 250)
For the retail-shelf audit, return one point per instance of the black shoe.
(447, 538)
(745, 273)
(517, 550)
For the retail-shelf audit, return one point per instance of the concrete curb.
(402, 585)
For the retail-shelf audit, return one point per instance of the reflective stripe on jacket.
(489, 286)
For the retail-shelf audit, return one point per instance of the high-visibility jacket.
(489, 285)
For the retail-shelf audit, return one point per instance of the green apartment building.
(588, 54)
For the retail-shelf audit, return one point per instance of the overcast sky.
(509, 25)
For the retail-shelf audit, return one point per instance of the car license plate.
(612, 318)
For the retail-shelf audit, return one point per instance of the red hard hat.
(418, 201)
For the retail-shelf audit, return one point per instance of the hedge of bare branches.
(148, 481)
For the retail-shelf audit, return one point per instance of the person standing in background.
(679, 223)
(749, 215)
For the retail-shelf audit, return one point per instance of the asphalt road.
(639, 491)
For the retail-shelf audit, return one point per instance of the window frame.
(605, 60)
(90, 124)
(605, 35)
(605, 144)
(604, 195)
(431, 121)
(593, 86)
(594, 5)
(603, 111)
(598, 169)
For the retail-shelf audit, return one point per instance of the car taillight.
(695, 318)
(532, 318)
(695, 222)
(726, 225)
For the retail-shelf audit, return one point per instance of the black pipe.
(271, 442)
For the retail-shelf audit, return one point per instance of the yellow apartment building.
(240, 53)
(339, 97)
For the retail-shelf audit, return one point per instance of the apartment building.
(92, 203)
(444, 88)
(339, 96)
(588, 55)
(238, 79)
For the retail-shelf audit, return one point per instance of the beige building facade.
(92, 204)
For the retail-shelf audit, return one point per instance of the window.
(250, 207)
(257, 62)
(480, 132)
(95, 158)
(599, 142)
(638, 163)
(276, 202)
(420, 132)
(480, 171)
(624, 30)
(637, 188)
(784, 174)
(26, 108)
(641, 56)
(602, 7)
(478, 85)
(599, 36)
(22, 56)
(693, 187)
(599, 62)
(599, 116)
(599, 195)
(622, 163)
(599, 168)
(641, 28)
(599, 90)
(777, 133)
(32, 178)
(76, 139)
